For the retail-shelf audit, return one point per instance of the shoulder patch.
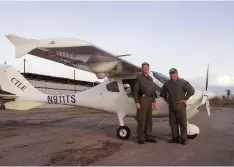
(183, 81)
(186, 82)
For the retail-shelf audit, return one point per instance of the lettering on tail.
(19, 84)
(61, 99)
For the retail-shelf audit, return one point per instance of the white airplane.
(113, 95)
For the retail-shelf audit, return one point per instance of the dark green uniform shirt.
(174, 91)
(144, 85)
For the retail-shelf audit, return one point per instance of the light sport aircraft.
(113, 95)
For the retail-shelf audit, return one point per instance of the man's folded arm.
(189, 90)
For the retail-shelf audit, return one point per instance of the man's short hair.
(173, 70)
(145, 63)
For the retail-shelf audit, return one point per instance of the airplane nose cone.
(211, 95)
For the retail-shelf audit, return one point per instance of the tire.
(192, 136)
(123, 132)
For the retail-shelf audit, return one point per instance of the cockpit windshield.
(162, 78)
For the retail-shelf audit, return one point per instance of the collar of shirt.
(175, 80)
(147, 76)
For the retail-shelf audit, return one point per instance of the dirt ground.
(71, 136)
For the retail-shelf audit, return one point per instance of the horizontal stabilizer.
(8, 97)
(22, 105)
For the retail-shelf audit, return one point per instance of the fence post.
(74, 80)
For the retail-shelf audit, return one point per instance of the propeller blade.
(207, 77)
(208, 108)
(204, 99)
(123, 55)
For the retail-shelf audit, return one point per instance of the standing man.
(176, 92)
(144, 96)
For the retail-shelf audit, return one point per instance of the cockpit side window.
(128, 86)
(112, 87)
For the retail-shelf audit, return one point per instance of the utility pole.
(24, 65)
(74, 80)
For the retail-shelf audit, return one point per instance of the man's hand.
(138, 106)
(154, 106)
(183, 101)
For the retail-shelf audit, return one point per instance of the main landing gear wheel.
(123, 132)
(192, 136)
(2, 107)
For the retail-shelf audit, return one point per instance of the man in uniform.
(144, 96)
(176, 92)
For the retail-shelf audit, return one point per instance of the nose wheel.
(123, 132)
(192, 136)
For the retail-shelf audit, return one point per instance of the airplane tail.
(17, 92)
(22, 45)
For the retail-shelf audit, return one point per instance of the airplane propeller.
(205, 95)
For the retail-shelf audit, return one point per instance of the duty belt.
(146, 95)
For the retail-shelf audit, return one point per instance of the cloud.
(225, 80)
(218, 84)
(214, 80)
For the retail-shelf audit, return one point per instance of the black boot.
(141, 142)
(151, 140)
(174, 140)
(183, 142)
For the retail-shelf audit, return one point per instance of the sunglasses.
(172, 73)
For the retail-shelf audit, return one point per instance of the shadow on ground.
(85, 155)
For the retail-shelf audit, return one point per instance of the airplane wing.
(75, 53)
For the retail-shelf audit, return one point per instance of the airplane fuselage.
(111, 96)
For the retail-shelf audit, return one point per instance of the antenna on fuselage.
(123, 55)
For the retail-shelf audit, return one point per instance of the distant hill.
(219, 89)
